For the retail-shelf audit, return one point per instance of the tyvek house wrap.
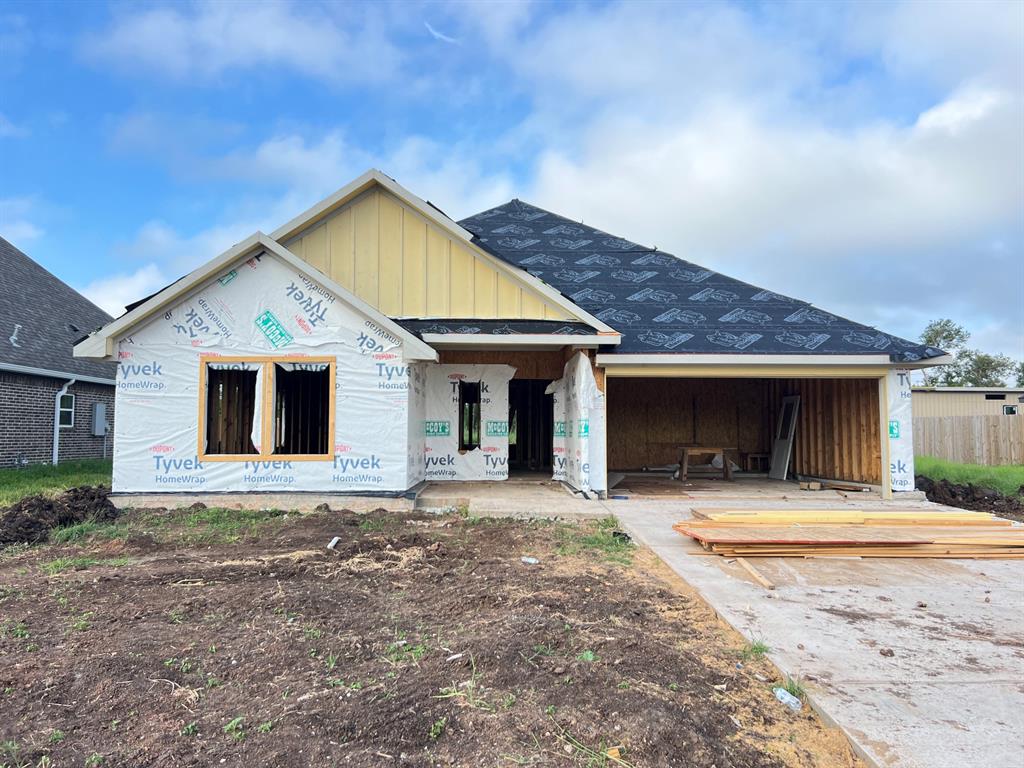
(444, 461)
(579, 455)
(262, 307)
(901, 430)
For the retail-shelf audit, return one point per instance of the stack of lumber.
(855, 533)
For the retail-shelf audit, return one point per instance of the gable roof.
(307, 221)
(41, 318)
(664, 305)
(101, 343)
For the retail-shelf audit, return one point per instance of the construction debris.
(853, 533)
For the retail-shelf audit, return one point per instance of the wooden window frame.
(266, 399)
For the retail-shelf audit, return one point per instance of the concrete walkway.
(950, 695)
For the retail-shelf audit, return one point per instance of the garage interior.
(837, 434)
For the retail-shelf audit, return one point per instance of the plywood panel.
(838, 433)
(414, 267)
(649, 418)
(391, 270)
(366, 237)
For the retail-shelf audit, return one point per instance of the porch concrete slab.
(509, 498)
(952, 692)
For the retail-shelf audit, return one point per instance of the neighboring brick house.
(45, 392)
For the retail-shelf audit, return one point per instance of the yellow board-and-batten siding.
(946, 403)
(394, 259)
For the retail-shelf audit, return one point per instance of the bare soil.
(974, 497)
(205, 638)
(30, 520)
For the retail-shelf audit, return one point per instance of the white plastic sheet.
(261, 307)
(901, 430)
(579, 435)
(442, 458)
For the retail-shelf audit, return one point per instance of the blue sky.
(866, 157)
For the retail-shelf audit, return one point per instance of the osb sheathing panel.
(838, 433)
(649, 418)
(394, 259)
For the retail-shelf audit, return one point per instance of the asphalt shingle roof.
(42, 317)
(663, 304)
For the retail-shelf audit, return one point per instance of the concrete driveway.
(950, 695)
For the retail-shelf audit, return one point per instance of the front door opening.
(530, 425)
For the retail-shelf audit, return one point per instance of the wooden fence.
(989, 440)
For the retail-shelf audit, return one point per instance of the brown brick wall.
(26, 419)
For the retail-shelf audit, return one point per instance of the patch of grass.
(588, 656)
(190, 730)
(80, 563)
(794, 687)
(1006, 480)
(601, 538)
(372, 524)
(437, 728)
(45, 479)
(56, 736)
(470, 691)
(217, 525)
(756, 650)
(82, 622)
(85, 530)
(10, 750)
(236, 728)
(266, 727)
(93, 760)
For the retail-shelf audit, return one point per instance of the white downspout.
(56, 420)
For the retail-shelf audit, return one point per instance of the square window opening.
(469, 415)
(1010, 410)
(302, 398)
(66, 411)
(230, 411)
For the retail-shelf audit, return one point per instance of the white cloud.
(440, 36)
(16, 225)
(114, 292)
(208, 39)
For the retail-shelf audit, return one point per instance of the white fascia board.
(355, 188)
(30, 371)
(412, 347)
(611, 360)
(442, 340)
(101, 343)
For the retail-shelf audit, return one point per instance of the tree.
(970, 367)
(1019, 373)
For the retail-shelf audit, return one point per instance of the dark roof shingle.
(663, 304)
(42, 317)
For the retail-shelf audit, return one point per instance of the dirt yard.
(206, 637)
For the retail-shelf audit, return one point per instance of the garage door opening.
(670, 435)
